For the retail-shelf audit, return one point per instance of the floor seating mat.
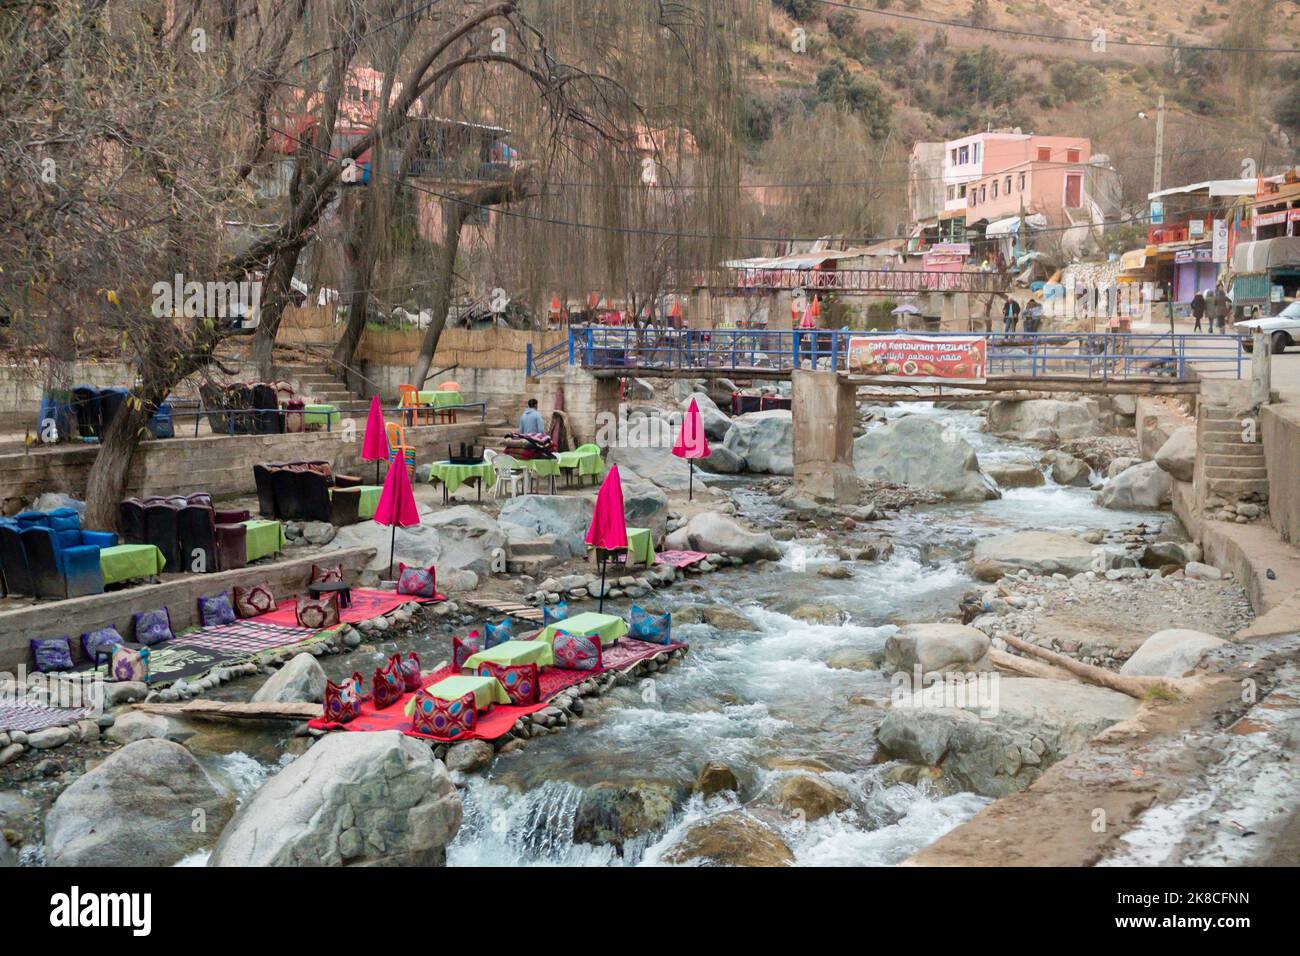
(500, 719)
(366, 603)
(680, 559)
(30, 718)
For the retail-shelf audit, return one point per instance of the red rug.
(680, 559)
(500, 718)
(366, 604)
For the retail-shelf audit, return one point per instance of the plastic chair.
(449, 387)
(410, 404)
(509, 472)
(397, 442)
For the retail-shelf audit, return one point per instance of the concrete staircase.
(1233, 468)
(531, 555)
(316, 384)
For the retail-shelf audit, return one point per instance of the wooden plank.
(233, 710)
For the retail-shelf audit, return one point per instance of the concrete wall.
(824, 409)
(180, 594)
(221, 465)
(1280, 429)
(581, 395)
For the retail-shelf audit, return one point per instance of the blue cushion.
(93, 643)
(652, 628)
(52, 654)
(498, 633)
(555, 614)
(216, 610)
(150, 627)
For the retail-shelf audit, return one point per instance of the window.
(983, 194)
(963, 155)
(1044, 154)
(1006, 186)
(1072, 155)
(1021, 186)
(995, 189)
(954, 155)
(961, 190)
(975, 153)
(952, 193)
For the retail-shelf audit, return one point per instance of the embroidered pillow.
(388, 685)
(342, 700)
(416, 582)
(216, 610)
(254, 601)
(498, 633)
(150, 627)
(444, 719)
(52, 654)
(99, 642)
(553, 614)
(130, 664)
(317, 613)
(576, 652)
(519, 680)
(321, 575)
(652, 628)
(410, 669)
(463, 650)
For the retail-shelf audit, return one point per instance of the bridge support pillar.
(824, 409)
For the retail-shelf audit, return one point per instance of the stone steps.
(533, 565)
(1236, 487)
(1237, 449)
(1218, 472)
(1235, 461)
(532, 547)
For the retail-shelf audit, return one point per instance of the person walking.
(530, 422)
(1220, 312)
(1010, 316)
(1198, 311)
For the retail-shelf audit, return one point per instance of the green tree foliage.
(856, 93)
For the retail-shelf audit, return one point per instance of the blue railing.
(1088, 355)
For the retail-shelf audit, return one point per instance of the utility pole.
(1160, 145)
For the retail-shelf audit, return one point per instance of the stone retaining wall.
(1280, 430)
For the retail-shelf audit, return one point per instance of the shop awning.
(1011, 225)
(1133, 260)
(1214, 187)
(1266, 254)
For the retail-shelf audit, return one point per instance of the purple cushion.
(95, 643)
(216, 610)
(576, 652)
(52, 654)
(150, 627)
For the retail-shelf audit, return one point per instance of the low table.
(641, 545)
(513, 653)
(126, 562)
(581, 463)
(452, 476)
(344, 591)
(486, 690)
(321, 416)
(265, 536)
(609, 627)
(542, 468)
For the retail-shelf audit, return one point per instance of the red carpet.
(680, 559)
(366, 603)
(498, 720)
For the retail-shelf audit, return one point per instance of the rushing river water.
(763, 701)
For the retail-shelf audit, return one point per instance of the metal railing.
(548, 360)
(245, 421)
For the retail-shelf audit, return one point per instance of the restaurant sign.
(939, 359)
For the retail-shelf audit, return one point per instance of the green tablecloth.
(438, 399)
(453, 476)
(321, 415)
(125, 562)
(582, 462)
(369, 500)
(486, 690)
(541, 467)
(514, 652)
(641, 545)
(264, 536)
(609, 627)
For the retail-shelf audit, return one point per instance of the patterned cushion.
(444, 719)
(499, 633)
(574, 652)
(318, 613)
(519, 680)
(216, 610)
(343, 700)
(553, 614)
(130, 664)
(652, 628)
(410, 670)
(321, 575)
(250, 602)
(416, 582)
(96, 642)
(150, 627)
(463, 649)
(52, 654)
(388, 684)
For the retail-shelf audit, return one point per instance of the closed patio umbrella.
(608, 531)
(374, 447)
(397, 506)
(692, 443)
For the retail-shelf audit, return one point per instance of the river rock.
(50, 500)
(1044, 419)
(764, 441)
(460, 537)
(611, 814)
(721, 461)
(469, 755)
(730, 839)
(563, 516)
(352, 799)
(1068, 470)
(301, 681)
(1039, 552)
(811, 796)
(938, 649)
(1143, 486)
(1177, 455)
(1014, 474)
(137, 725)
(1120, 465)
(1174, 652)
(726, 619)
(855, 659)
(712, 533)
(656, 464)
(811, 613)
(1161, 553)
(715, 778)
(920, 452)
(715, 422)
(137, 808)
(645, 506)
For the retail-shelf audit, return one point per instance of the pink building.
(1036, 186)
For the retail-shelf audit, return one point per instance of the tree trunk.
(275, 297)
(1133, 686)
(360, 255)
(106, 482)
(453, 215)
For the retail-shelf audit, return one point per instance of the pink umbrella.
(396, 504)
(808, 322)
(608, 531)
(692, 443)
(375, 445)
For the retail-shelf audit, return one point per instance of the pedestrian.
(1010, 316)
(1220, 313)
(1198, 311)
(530, 422)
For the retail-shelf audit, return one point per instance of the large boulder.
(721, 461)
(149, 804)
(1014, 474)
(711, 532)
(1068, 470)
(1174, 652)
(1044, 419)
(654, 463)
(1038, 552)
(1000, 746)
(301, 681)
(459, 538)
(920, 452)
(765, 440)
(1177, 455)
(565, 517)
(811, 796)
(1144, 486)
(938, 649)
(730, 839)
(352, 799)
(610, 814)
(716, 423)
(645, 505)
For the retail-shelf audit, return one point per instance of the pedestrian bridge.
(1128, 360)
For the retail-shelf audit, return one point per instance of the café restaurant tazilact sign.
(944, 360)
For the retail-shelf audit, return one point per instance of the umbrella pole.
(376, 471)
(603, 561)
(690, 482)
(392, 546)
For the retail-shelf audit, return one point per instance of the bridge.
(860, 281)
